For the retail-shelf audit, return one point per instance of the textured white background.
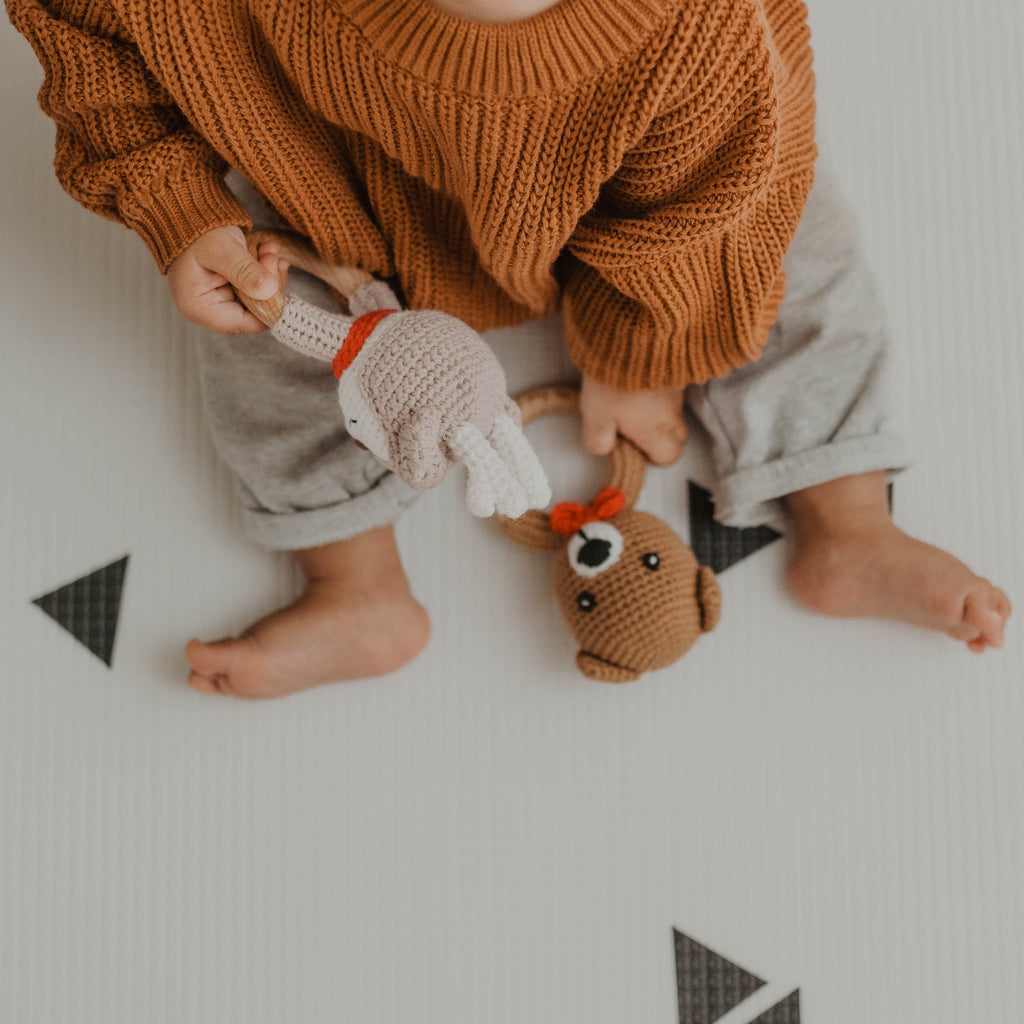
(486, 836)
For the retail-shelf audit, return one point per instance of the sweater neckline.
(557, 47)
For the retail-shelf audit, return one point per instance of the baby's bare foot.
(875, 570)
(357, 618)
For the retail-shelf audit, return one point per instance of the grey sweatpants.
(811, 409)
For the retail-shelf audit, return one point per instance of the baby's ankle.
(369, 559)
(854, 504)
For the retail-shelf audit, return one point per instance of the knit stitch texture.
(420, 389)
(640, 164)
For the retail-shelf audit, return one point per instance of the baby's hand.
(202, 276)
(652, 420)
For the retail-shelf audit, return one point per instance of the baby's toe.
(204, 684)
(986, 609)
(216, 667)
(208, 659)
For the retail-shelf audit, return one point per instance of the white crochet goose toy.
(418, 388)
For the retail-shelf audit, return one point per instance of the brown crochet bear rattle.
(632, 592)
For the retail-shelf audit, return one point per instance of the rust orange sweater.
(640, 164)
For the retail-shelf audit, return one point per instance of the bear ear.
(709, 599)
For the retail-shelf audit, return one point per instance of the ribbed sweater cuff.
(623, 347)
(695, 313)
(173, 216)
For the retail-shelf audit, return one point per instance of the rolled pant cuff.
(309, 528)
(751, 497)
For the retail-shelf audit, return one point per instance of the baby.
(643, 166)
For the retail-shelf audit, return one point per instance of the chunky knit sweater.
(640, 164)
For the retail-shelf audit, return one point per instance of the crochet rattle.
(419, 389)
(631, 591)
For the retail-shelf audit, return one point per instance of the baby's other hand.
(652, 420)
(202, 276)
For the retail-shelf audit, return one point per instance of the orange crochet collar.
(357, 334)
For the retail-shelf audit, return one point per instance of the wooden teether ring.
(627, 465)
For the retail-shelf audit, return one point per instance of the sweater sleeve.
(123, 149)
(675, 275)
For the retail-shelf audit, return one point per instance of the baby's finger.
(228, 316)
(599, 434)
(662, 443)
(230, 258)
(282, 272)
(272, 260)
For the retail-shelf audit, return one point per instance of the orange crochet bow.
(568, 516)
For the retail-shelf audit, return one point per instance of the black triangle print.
(786, 1012)
(709, 985)
(721, 546)
(88, 608)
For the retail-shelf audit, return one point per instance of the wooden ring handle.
(627, 465)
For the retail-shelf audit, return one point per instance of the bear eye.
(594, 548)
(651, 560)
(585, 601)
